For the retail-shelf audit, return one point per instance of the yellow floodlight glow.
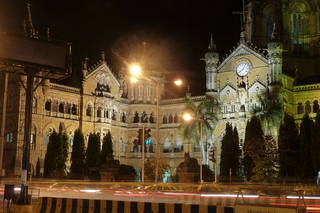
(135, 70)
(134, 80)
(178, 82)
(187, 117)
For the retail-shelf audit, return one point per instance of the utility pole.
(23, 199)
(3, 121)
(143, 154)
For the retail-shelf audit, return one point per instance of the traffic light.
(140, 136)
(211, 155)
(147, 136)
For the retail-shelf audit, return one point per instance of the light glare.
(135, 70)
(187, 117)
(133, 80)
(178, 82)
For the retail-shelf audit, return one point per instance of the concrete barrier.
(68, 205)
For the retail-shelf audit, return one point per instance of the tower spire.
(275, 36)
(29, 29)
(212, 46)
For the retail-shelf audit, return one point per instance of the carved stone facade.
(106, 102)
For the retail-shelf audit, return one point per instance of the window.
(74, 109)
(300, 108)
(315, 106)
(89, 110)
(99, 112)
(33, 141)
(308, 107)
(136, 118)
(170, 119)
(123, 118)
(106, 113)
(61, 107)
(164, 120)
(114, 115)
(48, 105)
(9, 137)
(144, 118)
(151, 118)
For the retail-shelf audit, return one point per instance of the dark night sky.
(176, 32)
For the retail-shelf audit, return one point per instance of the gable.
(257, 88)
(228, 91)
(101, 78)
(243, 51)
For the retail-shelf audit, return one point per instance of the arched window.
(308, 107)
(48, 105)
(136, 118)
(170, 119)
(106, 113)
(164, 120)
(151, 118)
(68, 108)
(300, 108)
(144, 118)
(99, 112)
(316, 106)
(114, 115)
(176, 119)
(61, 107)
(123, 117)
(242, 108)
(89, 110)
(74, 109)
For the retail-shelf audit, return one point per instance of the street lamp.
(136, 74)
(188, 117)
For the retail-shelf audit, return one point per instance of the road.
(205, 194)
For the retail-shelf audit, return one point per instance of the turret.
(275, 57)
(212, 59)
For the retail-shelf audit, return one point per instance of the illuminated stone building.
(278, 48)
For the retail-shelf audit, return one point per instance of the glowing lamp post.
(188, 117)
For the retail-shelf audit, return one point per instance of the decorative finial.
(85, 66)
(103, 57)
(212, 47)
(28, 24)
(242, 37)
(275, 36)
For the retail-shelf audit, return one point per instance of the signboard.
(49, 57)
(267, 209)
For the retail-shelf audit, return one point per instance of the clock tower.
(212, 59)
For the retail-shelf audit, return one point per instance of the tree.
(288, 145)
(254, 146)
(270, 111)
(236, 153)
(77, 154)
(107, 150)
(50, 160)
(62, 154)
(306, 141)
(201, 127)
(93, 152)
(315, 149)
(149, 166)
(226, 151)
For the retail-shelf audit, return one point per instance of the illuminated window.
(300, 109)
(308, 107)
(9, 137)
(315, 106)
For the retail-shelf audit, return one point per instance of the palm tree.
(200, 128)
(270, 111)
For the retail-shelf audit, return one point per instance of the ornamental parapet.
(306, 87)
(182, 100)
(64, 88)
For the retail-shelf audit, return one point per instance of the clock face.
(243, 69)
